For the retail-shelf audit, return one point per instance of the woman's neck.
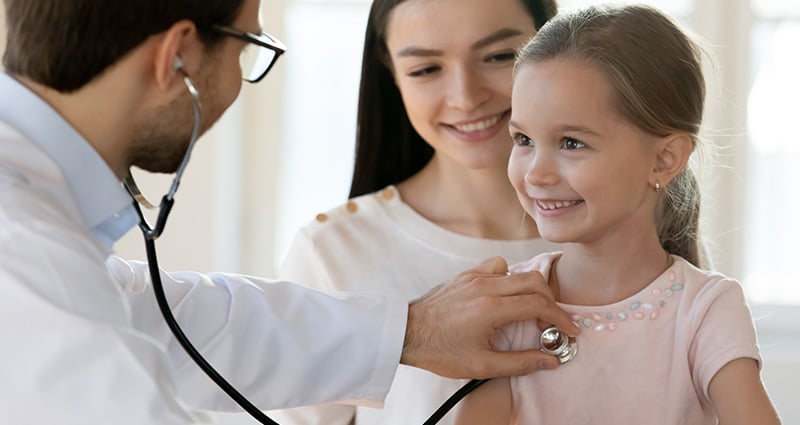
(479, 203)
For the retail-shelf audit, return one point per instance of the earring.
(657, 186)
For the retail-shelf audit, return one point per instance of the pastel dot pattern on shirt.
(638, 309)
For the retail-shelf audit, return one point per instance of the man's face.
(161, 140)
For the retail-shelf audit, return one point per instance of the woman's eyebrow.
(496, 36)
(490, 39)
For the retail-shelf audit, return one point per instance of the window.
(322, 78)
(772, 230)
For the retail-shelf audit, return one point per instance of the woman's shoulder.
(365, 210)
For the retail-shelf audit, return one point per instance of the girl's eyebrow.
(564, 128)
(578, 129)
(499, 35)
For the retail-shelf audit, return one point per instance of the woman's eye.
(424, 71)
(522, 140)
(572, 144)
(501, 57)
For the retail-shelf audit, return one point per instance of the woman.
(430, 195)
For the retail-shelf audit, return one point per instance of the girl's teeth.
(552, 205)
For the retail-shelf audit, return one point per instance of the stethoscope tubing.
(169, 318)
(215, 376)
(152, 233)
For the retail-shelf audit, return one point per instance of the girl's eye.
(522, 140)
(572, 144)
(501, 57)
(424, 71)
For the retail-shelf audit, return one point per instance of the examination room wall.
(283, 153)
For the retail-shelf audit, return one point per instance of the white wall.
(224, 216)
(2, 31)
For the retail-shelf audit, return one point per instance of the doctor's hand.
(451, 329)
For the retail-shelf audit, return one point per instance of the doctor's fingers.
(515, 284)
(535, 306)
(493, 265)
(473, 282)
(513, 363)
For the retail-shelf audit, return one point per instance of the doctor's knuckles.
(451, 329)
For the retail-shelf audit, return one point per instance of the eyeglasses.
(255, 60)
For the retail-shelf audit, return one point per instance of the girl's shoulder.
(700, 281)
(540, 263)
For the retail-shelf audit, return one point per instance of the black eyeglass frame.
(263, 40)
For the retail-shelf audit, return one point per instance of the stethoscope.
(551, 341)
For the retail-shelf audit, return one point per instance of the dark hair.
(388, 148)
(655, 71)
(64, 44)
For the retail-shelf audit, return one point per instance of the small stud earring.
(657, 186)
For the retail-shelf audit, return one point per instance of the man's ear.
(178, 52)
(671, 158)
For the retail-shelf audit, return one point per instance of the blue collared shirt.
(105, 205)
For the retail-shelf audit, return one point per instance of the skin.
(472, 307)
(570, 151)
(147, 123)
(452, 62)
(587, 176)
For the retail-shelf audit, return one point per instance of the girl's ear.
(672, 157)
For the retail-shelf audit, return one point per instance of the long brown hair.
(388, 149)
(655, 70)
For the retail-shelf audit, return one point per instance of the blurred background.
(284, 152)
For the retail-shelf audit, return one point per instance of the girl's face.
(452, 62)
(579, 169)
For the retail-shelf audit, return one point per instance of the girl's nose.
(541, 169)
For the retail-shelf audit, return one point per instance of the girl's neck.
(603, 275)
(478, 203)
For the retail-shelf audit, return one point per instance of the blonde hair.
(655, 70)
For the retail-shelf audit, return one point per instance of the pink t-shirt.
(647, 359)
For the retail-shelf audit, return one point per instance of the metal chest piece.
(554, 342)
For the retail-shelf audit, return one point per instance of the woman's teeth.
(478, 126)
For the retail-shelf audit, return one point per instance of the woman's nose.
(468, 90)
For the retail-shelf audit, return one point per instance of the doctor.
(94, 87)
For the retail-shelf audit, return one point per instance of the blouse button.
(322, 218)
(387, 194)
(351, 207)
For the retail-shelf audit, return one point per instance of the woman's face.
(452, 62)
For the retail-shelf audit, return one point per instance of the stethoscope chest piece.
(556, 343)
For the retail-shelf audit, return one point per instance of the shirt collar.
(105, 206)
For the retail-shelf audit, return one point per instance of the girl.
(607, 105)
(430, 192)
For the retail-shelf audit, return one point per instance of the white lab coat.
(84, 342)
